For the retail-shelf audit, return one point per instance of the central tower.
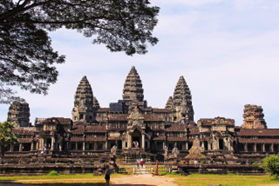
(133, 87)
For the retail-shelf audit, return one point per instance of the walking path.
(134, 180)
(143, 180)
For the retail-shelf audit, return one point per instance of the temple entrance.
(136, 138)
(221, 144)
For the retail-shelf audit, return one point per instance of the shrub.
(271, 165)
(255, 163)
(53, 173)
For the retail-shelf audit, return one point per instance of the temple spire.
(182, 99)
(83, 105)
(133, 86)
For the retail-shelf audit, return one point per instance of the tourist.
(187, 120)
(141, 163)
(138, 162)
(107, 174)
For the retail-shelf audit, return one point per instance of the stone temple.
(130, 129)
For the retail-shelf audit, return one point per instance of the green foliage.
(255, 163)
(271, 165)
(26, 57)
(7, 137)
(53, 173)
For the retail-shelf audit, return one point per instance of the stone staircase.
(140, 171)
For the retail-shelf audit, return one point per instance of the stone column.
(255, 147)
(52, 143)
(116, 144)
(11, 148)
(187, 147)
(123, 145)
(60, 145)
(83, 145)
(143, 141)
(246, 147)
(95, 145)
(129, 141)
(229, 143)
(20, 147)
(76, 145)
(272, 147)
(32, 145)
(67, 145)
(202, 144)
(209, 146)
(106, 144)
(263, 147)
(37, 145)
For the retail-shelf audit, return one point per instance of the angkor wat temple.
(130, 128)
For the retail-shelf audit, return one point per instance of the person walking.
(107, 174)
(141, 163)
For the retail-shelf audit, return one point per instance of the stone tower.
(83, 105)
(182, 100)
(96, 104)
(169, 104)
(133, 86)
(19, 113)
(253, 117)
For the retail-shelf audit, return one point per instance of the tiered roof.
(182, 97)
(84, 94)
(132, 86)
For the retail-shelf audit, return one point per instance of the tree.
(271, 165)
(7, 137)
(26, 57)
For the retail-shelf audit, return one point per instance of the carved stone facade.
(253, 117)
(19, 113)
(134, 129)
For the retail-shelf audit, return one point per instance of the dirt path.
(134, 180)
(143, 180)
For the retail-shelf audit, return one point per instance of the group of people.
(185, 120)
(140, 161)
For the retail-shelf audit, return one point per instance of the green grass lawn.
(225, 180)
(194, 179)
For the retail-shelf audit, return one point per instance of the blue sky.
(227, 51)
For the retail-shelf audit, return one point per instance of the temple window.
(73, 146)
(259, 147)
(100, 146)
(79, 147)
(250, 147)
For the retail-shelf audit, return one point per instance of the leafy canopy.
(7, 137)
(271, 165)
(26, 57)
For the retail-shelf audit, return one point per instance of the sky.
(227, 51)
